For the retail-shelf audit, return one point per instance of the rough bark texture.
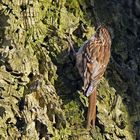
(40, 88)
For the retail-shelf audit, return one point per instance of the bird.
(91, 61)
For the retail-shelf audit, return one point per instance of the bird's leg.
(71, 44)
(91, 116)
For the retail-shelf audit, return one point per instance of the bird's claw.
(68, 38)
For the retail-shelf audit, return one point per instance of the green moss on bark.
(40, 89)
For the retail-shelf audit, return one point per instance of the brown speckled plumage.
(91, 61)
(93, 57)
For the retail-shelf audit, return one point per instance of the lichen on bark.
(40, 88)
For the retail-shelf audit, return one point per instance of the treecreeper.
(91, 61)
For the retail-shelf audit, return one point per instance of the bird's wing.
(100, 54)
(92, 59)
(80, 59)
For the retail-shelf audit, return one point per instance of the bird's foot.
(68, 38)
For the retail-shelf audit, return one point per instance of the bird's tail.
(91, 116)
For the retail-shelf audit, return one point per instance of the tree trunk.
(40, 88)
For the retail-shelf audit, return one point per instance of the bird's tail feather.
(91, 116)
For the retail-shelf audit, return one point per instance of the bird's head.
(100, 30)
(103, 33)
